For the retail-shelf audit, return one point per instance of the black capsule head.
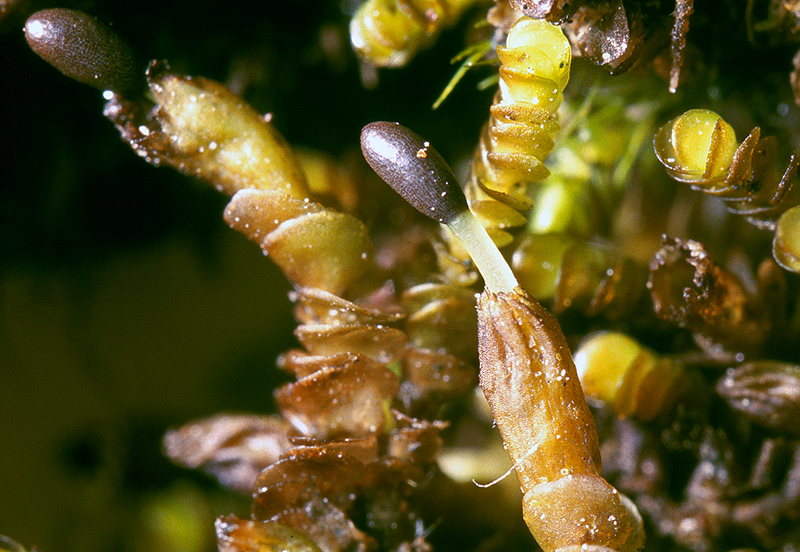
(414, 169)
(84, 49)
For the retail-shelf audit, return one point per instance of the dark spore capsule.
(84, 49)
(414, 169)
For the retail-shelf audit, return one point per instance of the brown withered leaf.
(311, 472)
(415, 441)
(760, 514)
(346, 400)
(619, 34)
(239, 535)
(441, 317)
(380, 343)
(382, 299)
(363, 449)
(609, 35)
(691, 291)
(328, 526)
(500, 16)
(431, 378)
(683, 9)
(232, 448)
(555, 11)
(318, 486)
(311, 490)
(315, 306)
(767, 392)
(302, 364)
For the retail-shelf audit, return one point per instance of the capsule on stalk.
(416, 171)
(526, 368)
